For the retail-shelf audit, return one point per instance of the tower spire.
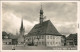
(21, 28)
(41, 14)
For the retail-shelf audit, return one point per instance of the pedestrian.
(13, 47)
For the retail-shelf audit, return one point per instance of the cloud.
(24, 10)
(62, 14)
(11, 23)
(67, 27)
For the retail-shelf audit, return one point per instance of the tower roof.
(41, 15)
(21, 28)
(46, 28)
(22, 23)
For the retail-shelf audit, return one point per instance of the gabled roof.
(72, 36)
(46, 28)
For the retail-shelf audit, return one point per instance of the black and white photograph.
(39, 26)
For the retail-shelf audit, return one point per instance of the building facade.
(46, 40)
(71, 40)
(7, 41)
(45, 34)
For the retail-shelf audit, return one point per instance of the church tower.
(22, 28)
(41, 15)
(21, 35)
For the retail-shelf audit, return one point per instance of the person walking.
(13, 47)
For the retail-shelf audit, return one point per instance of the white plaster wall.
(42, 40)
(52, 40)
(36, 40)
(58, 41)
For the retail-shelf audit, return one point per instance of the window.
(48, 37)
(71, 43)
(39, 42)
(51, 43)
(6, 42)
(37, 36)
(9, 42)
(59, 43)
(26, 38)
(43, 43)
(42, 37)
(47, 42)
(51, 37)
(56, 42)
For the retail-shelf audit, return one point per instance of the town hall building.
(45, 34)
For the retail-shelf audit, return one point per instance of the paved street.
(21, 47)
(18, 47)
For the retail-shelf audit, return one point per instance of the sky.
(63, 16)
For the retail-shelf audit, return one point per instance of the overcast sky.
(63, 15)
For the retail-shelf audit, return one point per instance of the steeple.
(22, 28)
(22, 23)
(41, 15)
